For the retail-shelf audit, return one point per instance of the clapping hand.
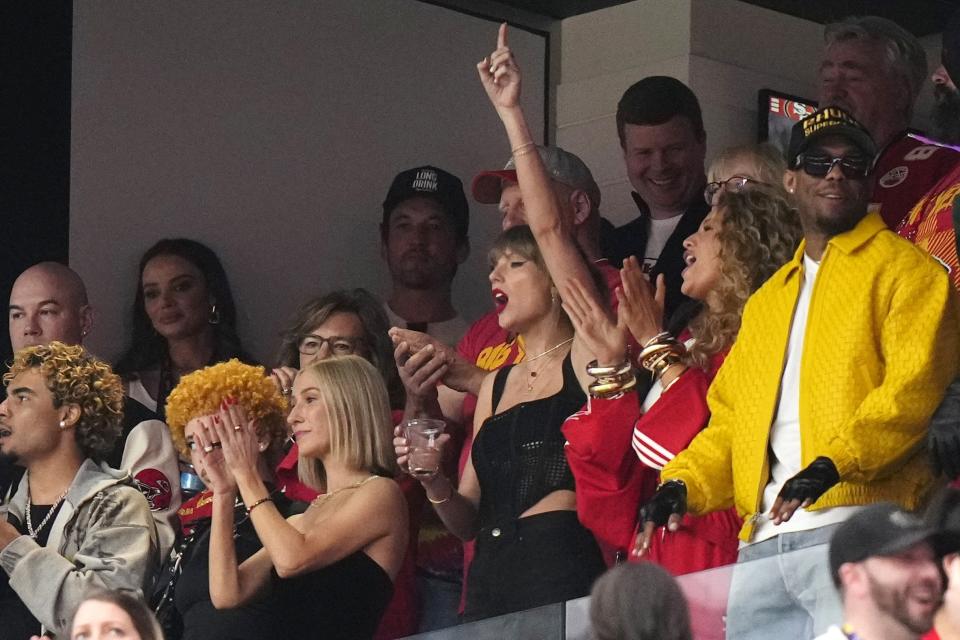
(640, 307)
(238, 438)
(606, 341)
(206, 442)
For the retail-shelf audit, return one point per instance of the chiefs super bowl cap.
(829, 121)
(445, 188)
(563, 166)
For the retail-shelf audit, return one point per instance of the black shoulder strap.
(499, 383)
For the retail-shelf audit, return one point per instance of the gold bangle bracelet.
(519, 148)
(596, 371)
(667, 386)
(442, 500)
(658, 348)
(662, 336)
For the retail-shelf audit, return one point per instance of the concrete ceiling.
(922, 17)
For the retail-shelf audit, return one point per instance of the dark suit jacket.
(618, 243)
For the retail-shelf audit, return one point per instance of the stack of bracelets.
(660, 353)
(611, 382)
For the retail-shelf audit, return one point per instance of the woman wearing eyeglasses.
(745, 167)
(340, 323)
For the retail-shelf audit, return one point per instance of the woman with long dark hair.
(184, 318)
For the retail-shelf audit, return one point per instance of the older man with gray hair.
(874, 69)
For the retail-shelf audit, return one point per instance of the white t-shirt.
(832, 633)
(660, 232)
(785, 430)
(448, 332)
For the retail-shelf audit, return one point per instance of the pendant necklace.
(533, 374)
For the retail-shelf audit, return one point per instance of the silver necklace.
(33, 533)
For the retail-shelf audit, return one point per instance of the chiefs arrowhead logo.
(894, 177)
(155, 487)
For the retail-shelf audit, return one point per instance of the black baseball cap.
(881, 529)
(429, 181)
(829, 121)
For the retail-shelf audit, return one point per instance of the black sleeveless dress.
(519, 458)
(342, 601)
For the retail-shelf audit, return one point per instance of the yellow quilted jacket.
(882, 343)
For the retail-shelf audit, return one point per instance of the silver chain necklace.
(33, 533)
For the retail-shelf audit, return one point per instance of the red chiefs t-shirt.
(930, 224)
(906, 169)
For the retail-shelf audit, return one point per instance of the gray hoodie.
(103, 537)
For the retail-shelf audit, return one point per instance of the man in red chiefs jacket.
(874, 69)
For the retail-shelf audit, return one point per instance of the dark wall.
(34, 139)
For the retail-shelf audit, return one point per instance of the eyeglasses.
(818, 166)
(735, 184)
(310, 344)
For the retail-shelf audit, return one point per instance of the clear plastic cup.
(424, 457)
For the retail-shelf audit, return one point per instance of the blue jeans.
(782, 587)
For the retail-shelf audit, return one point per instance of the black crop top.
(518, 454)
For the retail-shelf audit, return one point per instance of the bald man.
(49, 302)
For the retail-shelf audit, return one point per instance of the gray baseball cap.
(563, 166)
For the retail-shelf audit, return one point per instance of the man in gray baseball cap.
(884, 562)
(577, 193)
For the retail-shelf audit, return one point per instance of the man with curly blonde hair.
(73, 523)
(49, 302)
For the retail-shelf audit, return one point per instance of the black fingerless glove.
(943, 437)
(812, 482)
(670, 498)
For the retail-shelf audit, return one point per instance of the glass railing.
(706, 593)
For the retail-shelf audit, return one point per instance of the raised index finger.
(502, 36)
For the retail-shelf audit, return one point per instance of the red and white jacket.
(616, 452)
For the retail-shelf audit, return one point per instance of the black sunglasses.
(819, 165)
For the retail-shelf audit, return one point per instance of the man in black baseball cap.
(423, 240)
(884, 562)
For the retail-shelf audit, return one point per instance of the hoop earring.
(214, 314)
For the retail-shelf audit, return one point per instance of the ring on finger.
(208, 448)
(236, 427)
